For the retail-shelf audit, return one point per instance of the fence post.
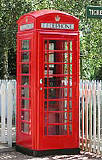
(83, 115)
(9, 113)
(98, 98)
(86, 116)
(14, 91)
(94, 116)
(14, 109)
(3, 112)
(90, 117)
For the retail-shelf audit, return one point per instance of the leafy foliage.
(9, 14)
(90, 33)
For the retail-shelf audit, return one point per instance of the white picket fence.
(90, 114)
(7, 111)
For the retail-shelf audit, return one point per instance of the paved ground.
(13, 155)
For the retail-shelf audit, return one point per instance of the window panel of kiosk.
(56, 105)
(25, 92)
(25, 127)
(25, 68)
(58, 87)
(56, 81)
(70, 45)
(25, 57)
(56, 93)
(56, 117)
(25, 86)
(70, 129)
(25, 115)
(70, 105)
(58, 57)
(25, 103)
(57, 129)
(25, 80)
(56, 45)
(25, 45)
(58, 69)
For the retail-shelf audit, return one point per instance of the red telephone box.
(48, 82)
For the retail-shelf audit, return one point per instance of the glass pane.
(57, 117)
(70, 55)
(25, 103)
(58, 69)
(50, 57)
(25, 92)
(57, 57)
(45, 92)
(50, 72)
(51, 45)
(70, 45)
(70, 92)
(56, 105)
(25, 45)
(25, 80)
(56, 45)
(45, 105)
(70, 69)
(25, 57)
(24, 127)
(70, 116)
(70, 129)
(56, 93)
(56, 82)
(61, 57)
(70, 81)
(25, 68)
(65, 45)
(70, 105)
(45, 120)
(25, 115)
(57, 130)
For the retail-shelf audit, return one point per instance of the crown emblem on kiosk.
(57, 18)
(26, 19)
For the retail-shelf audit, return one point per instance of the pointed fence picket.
(3, 110)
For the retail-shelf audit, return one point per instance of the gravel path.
(19, 156)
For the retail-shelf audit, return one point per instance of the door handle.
(41, 81)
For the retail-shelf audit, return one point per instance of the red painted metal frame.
(35, 139)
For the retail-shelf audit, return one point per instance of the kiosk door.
(58, 127)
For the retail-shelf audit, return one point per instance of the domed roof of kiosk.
(44, 12)
(40, 13)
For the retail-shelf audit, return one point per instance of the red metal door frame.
(59, 141)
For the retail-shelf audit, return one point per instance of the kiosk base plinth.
(39, 153)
